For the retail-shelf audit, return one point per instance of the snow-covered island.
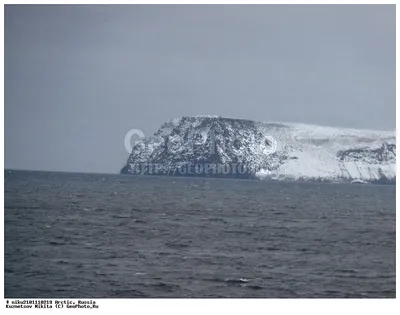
(226, 147)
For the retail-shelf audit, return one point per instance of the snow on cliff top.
(311, 128)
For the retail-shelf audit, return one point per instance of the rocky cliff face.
(225, 147)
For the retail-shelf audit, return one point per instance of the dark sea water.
(114, 236)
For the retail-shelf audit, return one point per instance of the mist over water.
(103, 236)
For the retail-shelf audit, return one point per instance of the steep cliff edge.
(225, 147)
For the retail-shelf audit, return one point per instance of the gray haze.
(77, 78)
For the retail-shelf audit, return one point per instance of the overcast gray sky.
(77, 78)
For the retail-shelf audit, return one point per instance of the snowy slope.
(283, 151)
(327, 153)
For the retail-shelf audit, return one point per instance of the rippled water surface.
(82, 235)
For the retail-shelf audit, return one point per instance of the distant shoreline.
(382, 182)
